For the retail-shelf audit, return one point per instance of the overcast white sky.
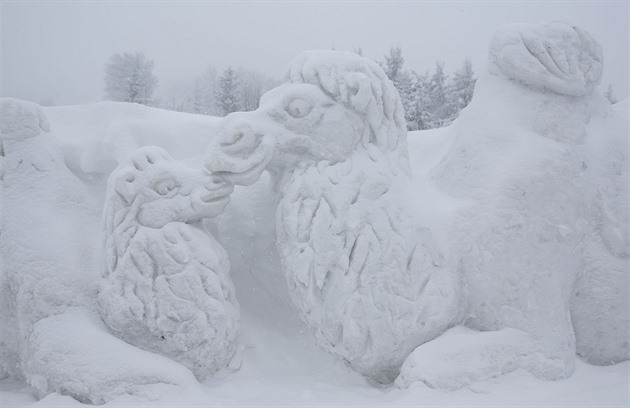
(57, 49)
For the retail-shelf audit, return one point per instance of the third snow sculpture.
(167, 286)
(361, 264)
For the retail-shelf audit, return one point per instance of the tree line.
(430, 100)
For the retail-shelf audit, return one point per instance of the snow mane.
(361, 85)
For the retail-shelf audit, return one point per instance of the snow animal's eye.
(164, 187)
(299, 108)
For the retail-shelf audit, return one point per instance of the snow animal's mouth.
(248, 176)
(214, 196)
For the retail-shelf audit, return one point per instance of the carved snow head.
(552, 57)
(156, 189)
(332, 104)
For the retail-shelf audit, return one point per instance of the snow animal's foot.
(73, 354)
(462, 356)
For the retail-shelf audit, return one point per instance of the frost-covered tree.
(227, 94)
(610, 96)
(461, 87)
(129, 78)
(438, 108)
(418, 115)
(394, 62)
(251, 87)
(404, 82)
(197, 99)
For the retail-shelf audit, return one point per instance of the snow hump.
(554, 57)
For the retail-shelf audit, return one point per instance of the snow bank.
(97, 137)
(167, 286)
(73, 354)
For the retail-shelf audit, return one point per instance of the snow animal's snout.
(239, 152)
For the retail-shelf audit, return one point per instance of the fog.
(56, 51)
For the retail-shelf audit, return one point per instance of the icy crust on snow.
(167, 287)
(553, 57)
(365, 272)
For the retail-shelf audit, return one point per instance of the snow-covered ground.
(279, 365)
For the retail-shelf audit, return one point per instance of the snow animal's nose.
(239, 152)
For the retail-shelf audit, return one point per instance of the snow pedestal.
(167, 287)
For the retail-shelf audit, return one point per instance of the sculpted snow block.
(167, 287)
(361, 265)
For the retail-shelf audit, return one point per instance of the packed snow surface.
(514, 222)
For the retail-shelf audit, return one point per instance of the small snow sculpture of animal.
(167, 287)
(361, 263)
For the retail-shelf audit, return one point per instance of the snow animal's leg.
(462, 356)
(73, 354)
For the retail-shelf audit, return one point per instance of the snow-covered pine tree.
(438, 109)
(610, 96)
(419, 114)
(460, 89)
(197, 99)
(404, 82)
(227, 94)
(129, 78)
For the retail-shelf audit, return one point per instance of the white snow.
(553, 57)
(167, 287)
(569, 155)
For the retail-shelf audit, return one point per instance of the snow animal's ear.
(148, 155)
(124, 185)
(360, 91)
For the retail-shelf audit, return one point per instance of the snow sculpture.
(523, 161)
(361, 264)
(551, 57)
(167, 286)
(40, 200)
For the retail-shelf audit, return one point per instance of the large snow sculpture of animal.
(167, 287)
(360, 260)
(544, 188)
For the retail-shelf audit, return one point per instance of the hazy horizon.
(57, 50)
